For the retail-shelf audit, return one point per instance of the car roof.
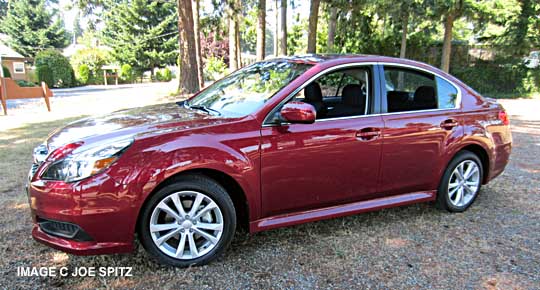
(334, 58)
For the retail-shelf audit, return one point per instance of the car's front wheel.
(189, 222)
(461, 182)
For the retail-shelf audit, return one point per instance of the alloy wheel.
(186, 225)
(464, 183)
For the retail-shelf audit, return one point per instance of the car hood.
(132, 122)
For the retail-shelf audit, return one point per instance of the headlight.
(85, 162)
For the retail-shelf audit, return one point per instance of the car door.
(422, 121)
(334, 160)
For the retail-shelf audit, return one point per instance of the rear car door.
(422, 120)
(334, 160)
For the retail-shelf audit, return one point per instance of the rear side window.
(411, 90)
(446, 94)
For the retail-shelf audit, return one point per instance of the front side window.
(411, 90)
(246, 90)
(342, 93)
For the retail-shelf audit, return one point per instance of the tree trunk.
(332, 21)
(403, 48)
(238, 49)
(261, 29)
(276, 30)
(283, 29)
(447, 43)
(233, 37)
(196, 29)
(312, 28)
(187, 58)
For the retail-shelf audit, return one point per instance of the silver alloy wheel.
(464, 183)
(186, 225)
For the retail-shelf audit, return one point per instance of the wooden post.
(116, 76)
(105, 76)
(3, 95)
(46, 94)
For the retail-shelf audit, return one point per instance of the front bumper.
(103, 211)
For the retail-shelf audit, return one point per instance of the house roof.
(7, 51)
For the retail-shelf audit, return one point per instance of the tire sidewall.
(209, 188)
(442, 196)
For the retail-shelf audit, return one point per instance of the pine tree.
(142, 33)
(32, 26)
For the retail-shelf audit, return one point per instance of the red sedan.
(278, 143)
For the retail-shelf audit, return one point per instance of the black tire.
(443, 198)
(200, 184)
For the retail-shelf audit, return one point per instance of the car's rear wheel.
(189, 222)
(461, 182)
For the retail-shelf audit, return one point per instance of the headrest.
(354, 96)
(313, 93)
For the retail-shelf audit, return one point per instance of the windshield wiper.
(205, 109)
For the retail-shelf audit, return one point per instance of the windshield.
(246, 90)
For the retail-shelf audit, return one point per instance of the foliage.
(32, 76)
(498, 79)
(83, 74)
(22, 83)
(214, 69)
(45, 74)
(94, 58)
(126, 73)
(7, 74)
(32, 26)
(142, 33)
(164, 75)
(54, 69)
(212, 45)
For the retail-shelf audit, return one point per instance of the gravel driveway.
(493, 245)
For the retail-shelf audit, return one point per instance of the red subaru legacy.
(278, 143)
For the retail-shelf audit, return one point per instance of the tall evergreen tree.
(142, 33)
(32, 26)
(3, 8)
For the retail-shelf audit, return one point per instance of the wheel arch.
(231, 185)
(482, 154)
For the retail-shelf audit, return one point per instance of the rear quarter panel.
(483, 127)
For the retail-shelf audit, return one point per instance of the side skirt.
(340, 210)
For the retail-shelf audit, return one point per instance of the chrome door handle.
(368, 134)
(449, 124)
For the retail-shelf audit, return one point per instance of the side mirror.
(298, 112)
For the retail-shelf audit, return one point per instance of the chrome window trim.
(458, 98)
(457, 107)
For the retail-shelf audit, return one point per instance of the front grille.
(63, 229)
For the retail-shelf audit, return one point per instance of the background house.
(13, 61)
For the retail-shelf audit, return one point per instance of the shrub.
(84, 74)
(167, 75)
(94, 58)
(215, 68)
(126, 73)
(159, 77)
(45, 74)
(32, 76)
(62, 74)
(25, 84)
(7, 74)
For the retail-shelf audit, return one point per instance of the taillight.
(503, 116)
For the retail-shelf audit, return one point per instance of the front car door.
(422, 121)
(332, 161)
